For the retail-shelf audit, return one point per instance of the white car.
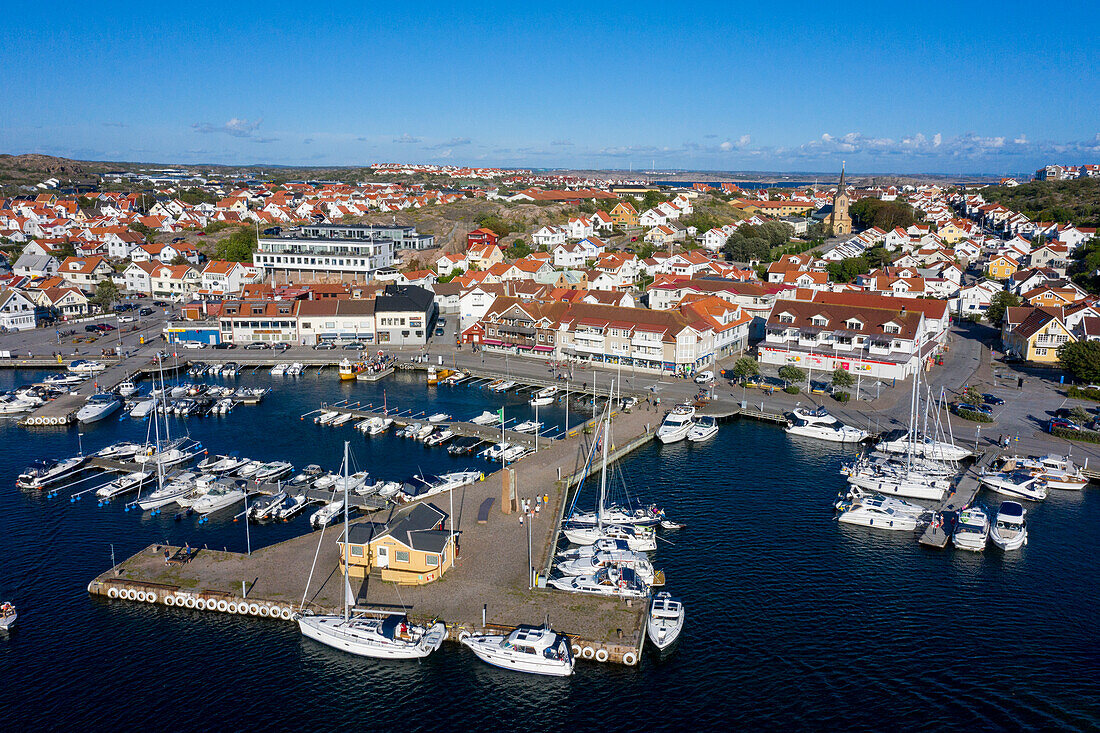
(194, 345)
(704, 377)
(127, 319)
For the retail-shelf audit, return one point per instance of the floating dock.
(965, 491)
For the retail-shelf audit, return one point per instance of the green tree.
(998, 304)
(143, 230)
(650, 199)
(1082, 360)
(887, 215)
(848, 269)
(971, 396)
(1084, 269)
(745, 367)
(106, 294)
(519, 249)
(777, 233)
(792, 374)
(499, 226)
(237, 247)
(842, 378)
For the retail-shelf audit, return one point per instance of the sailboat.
(385, 636)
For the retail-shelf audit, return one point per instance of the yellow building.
(1037, 335)
(412, 549)
(839, 220)
(776, 209)
(624, 215)
(1002, 267)
(950, 233)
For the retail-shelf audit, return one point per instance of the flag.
(500, 412)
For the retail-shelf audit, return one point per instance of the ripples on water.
(793, 621)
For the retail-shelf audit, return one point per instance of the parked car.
(224, 345)
(256, 345)
(1064, 424)
(105, 327)
(194, 345)
(145, 311)
(819, 387)
(704, 377)
(92, 328)
(160, 303)
(992, 399)
(965, 407)
(280, 347)
(439, 332)
(127, 319)
(324, 346)
(355, 345)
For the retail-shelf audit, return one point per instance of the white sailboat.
(387, 637)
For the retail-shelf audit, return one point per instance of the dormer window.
(854, 324)
(891, 328)
(786, 318)
(819, 321)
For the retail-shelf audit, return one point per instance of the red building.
(481, 236)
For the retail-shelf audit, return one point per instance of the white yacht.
(440, 437)
(1019, 485)
(326, 514)
(82, 366)
(676, 425)
(513, 453)
(666, 620)
(43, 473)
(527, 426)
(881, 512)
(291, 507)
(272, 471)
(639, 539)
(142, 408)
(636, 561)
(325, 417)
(544, 396)
(609, 581)
(439, 417)
(912, 484)
(486, 418)
(1009, 531)
(615, 514)
(588, 551)
(220, 496)
(97, 407)
(926, 448)
(530, 649)
(12, 404)
(127, 389)
(178, 487)
(823, 426)
(119, 451)
(249, 468)
(971, 530)
(1058, 472)
(124, 484)
(341, 419)
(220, 464)
(171, 454)
(379, 425)
(703, 428)
(390, 637)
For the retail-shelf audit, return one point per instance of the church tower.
(839, 220)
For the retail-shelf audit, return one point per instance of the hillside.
(1061, 201)
(31, 169)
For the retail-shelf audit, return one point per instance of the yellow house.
(1002, 266)
(1038, 336)
(412, 549)
(950, 233)
(624, 215)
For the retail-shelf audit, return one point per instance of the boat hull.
(328, 630)
(482, 648)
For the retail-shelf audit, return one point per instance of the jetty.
(965, 491)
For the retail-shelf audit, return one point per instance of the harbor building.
(411, 549)
(333, 319)
(405, 315)
(321, 252)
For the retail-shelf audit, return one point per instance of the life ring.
(630, 659)
(602, 655)
(112, 592)
(588, 652)
(287, 613)
(576, 650)
(150, 597)
(124, 594)
(169, 600)
(253, 609)
(264, 611)
(463, 635)
(223, 605)
(189, 602)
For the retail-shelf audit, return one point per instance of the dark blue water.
(741, 184)
(794, 621)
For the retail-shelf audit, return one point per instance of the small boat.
(971, 530)
(379, 425)
(439, 438)
(98, 407)
(63, 380)
(425, 430)
(587, 551)
(389, 489)
(1020, 485)
(880, 512)
(390, 637)
(514, 453)
(143, 408)
(8, 615)
(249, 468)
(613, 514)
(676, 424)
(544, 396)
(350, 370)
(439, 417)
(179, 487)
(528, 426)
(119, 451)
(83, 366)
(124, 484)
(341, 419)
(220, 496)
(127, 389)
(666, 620)
(639, 539)
(454, 378)
(703, 428)
(43, 473)
(272, 471)
(823, 426)
(13, 404)
(636, 561)
(613, 580)
(326, 417)
(290, 508)
(171, 454)
(279, 370)
(530, 649)
(1058, 472)
(486, 418)
(1009, 531)
(326, 514)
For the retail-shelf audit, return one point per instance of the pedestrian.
(521, 519)
(166, 555)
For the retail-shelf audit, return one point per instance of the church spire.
(840, 186)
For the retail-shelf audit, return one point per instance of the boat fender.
(630, 659)
(142, 596)
(463, 635)
(576, 650)
(112, 592)
(200, 604)
(169, 600)
(189, 602)
(253, 609)
(588, 652)
(231, 607)
(151, 597)
(601, 655)
(223, 605)
(287, 613)
(242, 608)
(264, 611)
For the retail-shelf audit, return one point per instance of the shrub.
(841, 396)
(973, 416)
(791, 389)
(1085, 436)
(1084, 394)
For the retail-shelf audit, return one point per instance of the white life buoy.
(223, 605)
(189, 601)
(576, 650)
(169, 600)
(601, 655)
(588, 652)
(463, 635)
(287, 613)
(630, 659)
(253, 608)
(112, 592)
(150, 597)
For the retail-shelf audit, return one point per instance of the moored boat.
(1009, 530)
(971, 530)
(531, 649)
(666, 620)
(676, 424)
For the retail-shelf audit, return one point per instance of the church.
(835, 217)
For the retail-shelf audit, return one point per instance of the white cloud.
(236, 127)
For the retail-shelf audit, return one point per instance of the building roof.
(932, 309)
(404, 298)
(419, 529)
(873, 319)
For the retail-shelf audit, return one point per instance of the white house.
(579, 227)
(975, 299)
(228, 277)
(16, 311)
(652, 218)
(138, 277)
(549, 237)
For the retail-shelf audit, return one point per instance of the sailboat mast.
(347, 539)
(603, 467)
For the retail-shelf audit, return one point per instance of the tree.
(66, 249)
(999, 303)
(745, 367)
(143, 230)
(971, 396)
(1084, 269)
(848, 269)
(651, 199)
(870, 212)
(777, 233)
(237, 247)
(499, 226)
(1082, 360)
(792, 374)
(842, 378)
(106, 294)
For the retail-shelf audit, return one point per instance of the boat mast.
(603, 468)
(347, 583)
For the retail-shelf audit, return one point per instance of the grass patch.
(973, 416)
(1084, 394)
(1084, 436)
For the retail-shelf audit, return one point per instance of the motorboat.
(502, 386)
(220, 496)
(639, 539)
(823, 426)
(171, 454)
(64, 379)
(439, 417)
(98, 407)
(486, 418)
(342, 419)
(350, 370)
(119, 451)
(1009, 531)
(531, 649)
(200, 487)
(178, 487)
(324, 481)
(14, 404)
(513, 453)
(495, 451)
(666, 620)
(616, 514)
(83, 366)
(1019, 484)
(388, 637)
(124, 484)
(8, 615)
(971, 530)
(612, 580)
(422, 486)
(272, 471)
(249, 468)
(636, 561)
(142, 408)
(378, 425)
(527, 426)
(220, 464)
(880, 512)
(350, 484)
(676, 424)
(911, 484)
(326, 417)
(926, 448)
(388, 489)
(223, 406)
(127, 389)
(423, 432)
(1058, 472)
(439, 438)
(464, 446)
(326, 514)
(544, 396)
(291, 507)
(410, 430)
(703, 428)
(279, 370)
(43, 473)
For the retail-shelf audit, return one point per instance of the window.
(431, 560)
(891, 328)
(356, 550)
(401, 556)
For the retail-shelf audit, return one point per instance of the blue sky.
(889, 87)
